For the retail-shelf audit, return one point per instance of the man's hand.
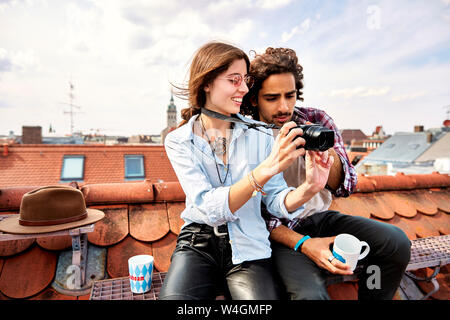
(318, 250)
(318, 165)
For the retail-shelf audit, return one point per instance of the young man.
(301, 248)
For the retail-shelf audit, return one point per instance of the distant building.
(349, 135)
(171, 119)
(418, 152)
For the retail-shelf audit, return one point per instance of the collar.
(186, 133)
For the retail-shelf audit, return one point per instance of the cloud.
(5, 62)
(360, 91)
(22, 60)
(272, 4)
(297, 30)
(409, 96)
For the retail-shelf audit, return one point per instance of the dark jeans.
(201, 267)
(389, 250)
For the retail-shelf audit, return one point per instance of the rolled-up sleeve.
(277, 189)
(210, 204)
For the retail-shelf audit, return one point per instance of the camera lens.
(317, 138)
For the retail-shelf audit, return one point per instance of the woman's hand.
(284, 150)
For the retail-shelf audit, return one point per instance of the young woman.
(226, 170)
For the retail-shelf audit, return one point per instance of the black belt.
(221, 231)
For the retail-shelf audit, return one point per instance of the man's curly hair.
(273, 61)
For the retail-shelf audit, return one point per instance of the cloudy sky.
(366, 63)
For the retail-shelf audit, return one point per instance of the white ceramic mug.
(141, 270)
(347, 249)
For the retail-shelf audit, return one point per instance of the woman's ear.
(207, 88)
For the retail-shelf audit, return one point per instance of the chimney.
(418, 128)
(31, 135)
(429, 137)
(5, 150)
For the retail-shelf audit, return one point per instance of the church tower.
(171, 113)
(171, 119)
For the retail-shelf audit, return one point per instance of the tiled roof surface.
(40, 164)
(142, 217)
(349, 134)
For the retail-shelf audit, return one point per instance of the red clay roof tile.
(10, 198)
(441, 199)
(162, 251)
(52, 294)
(343, 291)
(170, 191)
(440, 221)
(110, 193)
(422, 227)
(431, 180)
(421, 203)
(377, 207)
(118, 255)
(365, 184)
(28, 273)
(30, 165)
(12, 247)
(397, 182)
(112, 228)
(148, 222)
(154, 220)
(398, 203)
(174, 210)
(403, 224)
(443, 279)
(354, 205)
(57, 243)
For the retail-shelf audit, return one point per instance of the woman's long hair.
(209, 61)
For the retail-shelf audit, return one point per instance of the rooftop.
(143, 217)
(41, 164)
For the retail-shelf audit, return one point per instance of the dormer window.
(134, 167)
(72, 168)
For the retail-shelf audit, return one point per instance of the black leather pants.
(201, 268)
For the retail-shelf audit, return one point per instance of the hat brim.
(11, 224)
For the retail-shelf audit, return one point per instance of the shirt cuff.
(218, 207)
(282, 208)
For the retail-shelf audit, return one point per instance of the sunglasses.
(236, 80)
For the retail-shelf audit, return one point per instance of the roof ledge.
(109, 193)
(169, 191)
(402, 182)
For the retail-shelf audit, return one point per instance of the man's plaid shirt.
(302, 116)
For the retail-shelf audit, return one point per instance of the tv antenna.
(71, 112)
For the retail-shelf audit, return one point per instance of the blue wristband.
(300, 242)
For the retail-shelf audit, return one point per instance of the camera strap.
(235, 119)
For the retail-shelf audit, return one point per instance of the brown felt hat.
(49, 209)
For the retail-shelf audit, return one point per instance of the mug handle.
(365, 252)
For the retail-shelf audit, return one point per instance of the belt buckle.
(219, 234)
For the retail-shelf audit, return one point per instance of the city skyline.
(366, 63)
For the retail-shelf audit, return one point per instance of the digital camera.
(317, 138)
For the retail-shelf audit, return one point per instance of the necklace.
(213, 149)
(219, 146)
